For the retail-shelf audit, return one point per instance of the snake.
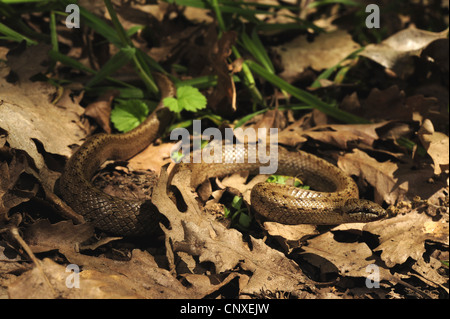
(334, 200)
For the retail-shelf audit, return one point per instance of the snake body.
(337, 201)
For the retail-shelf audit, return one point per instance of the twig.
(15, 233)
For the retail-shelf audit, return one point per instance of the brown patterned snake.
(336, 203)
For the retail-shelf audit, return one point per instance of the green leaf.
(244, 220)
(177, 156)
(226, 212)
(188, 98)
(128, 114)
(172, 104)
(237, 202)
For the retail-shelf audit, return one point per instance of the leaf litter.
(199, 256)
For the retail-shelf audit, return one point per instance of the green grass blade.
(144, 64)
(12, 35)
(122, 57)
(305, 96)
(117, 25)
(57, 56)
(19, 1)
(327, 73)
(53, 33)
(101, 27)
(248, 117)
(257, 49)
(319, 3)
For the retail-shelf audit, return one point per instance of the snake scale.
(337, 201)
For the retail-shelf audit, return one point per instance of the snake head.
(363, 211)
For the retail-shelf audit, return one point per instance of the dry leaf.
(239, 181)
(391, 182)
(342, 135)
(101, 278)
(223, 99)
(204, 285)
(339, 135)
(198, 15)
(152, 158)
(438, 52)
(350, 259)
(34, 284)
(396, 52)
(325, 51)
(13, 189)
(63, 236)
(28, 61)
(141, 277)
(28, 116)
(290, 232)
(428, 272)
(436, 144)
(100, 110)
(379, 175)
(200, 235)
(404, 237)
(391, 104)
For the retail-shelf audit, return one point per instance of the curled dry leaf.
(436, 144)
(204, 286)
(223, 99)
(379, 175)
(395, 52)
(100, 110)
(404, 237)
(391, 181)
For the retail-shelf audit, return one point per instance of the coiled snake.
(337, 201)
